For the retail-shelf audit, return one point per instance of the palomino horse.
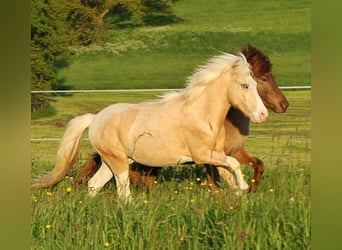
(178, 128)
(236, 126)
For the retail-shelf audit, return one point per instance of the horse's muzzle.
(259, 117)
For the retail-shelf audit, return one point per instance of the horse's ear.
(243, 57)
(248, 49)
(240, 60)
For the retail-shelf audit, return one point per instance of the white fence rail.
(137, 90)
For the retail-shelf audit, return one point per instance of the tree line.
(56, 25)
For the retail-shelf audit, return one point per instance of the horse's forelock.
(259, 62)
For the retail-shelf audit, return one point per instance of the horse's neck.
(213, 103)
(239, 120)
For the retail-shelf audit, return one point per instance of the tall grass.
(175, 216)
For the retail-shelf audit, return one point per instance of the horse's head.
(267, 87)
(270, 93)
(243, 93)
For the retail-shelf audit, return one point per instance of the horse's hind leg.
(99, 179)
(123, 186)
(119, 165)
(89, 169)
(143, 175)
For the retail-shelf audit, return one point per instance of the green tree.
(132, 10)
(55, 26)
(47, 44)
(58, 24)
(101, 8)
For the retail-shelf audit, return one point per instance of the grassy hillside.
(163, 56)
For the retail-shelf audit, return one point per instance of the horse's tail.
(89, 169)
(67, 151)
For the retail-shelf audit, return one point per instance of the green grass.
(175, 216)
(163, 57)
(180, 212)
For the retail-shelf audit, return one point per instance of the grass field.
(181, 211)
(163, 56)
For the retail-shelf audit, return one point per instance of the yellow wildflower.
(271, 190)
(69, 189)
(48, 226)
(106, 244)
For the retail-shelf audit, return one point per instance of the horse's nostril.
(263, 115)
(284, 104)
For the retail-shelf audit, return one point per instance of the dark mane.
(258, 60)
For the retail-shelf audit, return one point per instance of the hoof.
(244, 186)
(92, 191)
(241, 192)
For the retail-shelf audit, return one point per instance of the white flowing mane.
(207, 73)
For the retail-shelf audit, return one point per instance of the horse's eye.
(244, 85)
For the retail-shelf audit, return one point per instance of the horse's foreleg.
(100, 178)
(244, 157)
(226, 165)
(214, 173)
(259, 169)
(234, 165)
(213, 176)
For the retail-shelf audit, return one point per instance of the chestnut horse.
(236, 125)
(181, 127)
